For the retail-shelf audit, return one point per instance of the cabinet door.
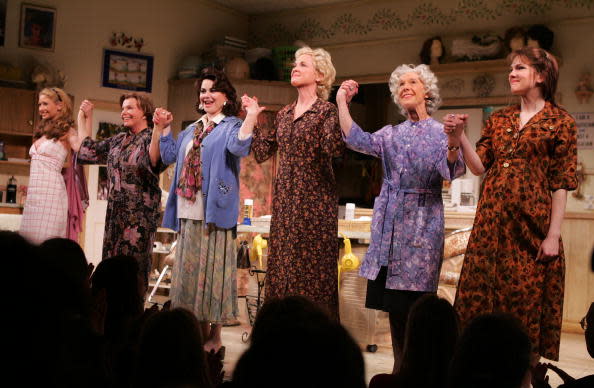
(256, 180)
(17, 109)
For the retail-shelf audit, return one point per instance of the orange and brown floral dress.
(303, 245)
(500, 272)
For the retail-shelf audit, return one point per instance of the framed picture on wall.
(38, 27)
(106, 130)
(2, 22)
(129, 71)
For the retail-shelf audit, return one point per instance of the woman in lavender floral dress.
(404, 257)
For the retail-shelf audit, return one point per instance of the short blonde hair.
(433, 101)
(323, 65)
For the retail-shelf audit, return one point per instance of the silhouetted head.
(494, 351)
(118, 277)
(430, 339)
(300, 346)
(175, 335)
(68, 264)
(67, 255)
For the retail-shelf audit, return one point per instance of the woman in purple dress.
(133, 168)
(404, 257)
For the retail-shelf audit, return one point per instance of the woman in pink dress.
(46, 209)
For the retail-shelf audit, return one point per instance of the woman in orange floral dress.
(514, 262)
(303, 249)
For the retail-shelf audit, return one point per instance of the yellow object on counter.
(349, 260)
(258, 244)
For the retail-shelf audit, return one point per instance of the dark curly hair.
(425, 53)
(542, 34)
(223, 85)
(58, 126)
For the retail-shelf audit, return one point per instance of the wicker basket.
(354, 225)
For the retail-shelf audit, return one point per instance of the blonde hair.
(58, 126)
(323, 65)
(433, 100)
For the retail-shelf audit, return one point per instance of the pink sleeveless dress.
(46, 209)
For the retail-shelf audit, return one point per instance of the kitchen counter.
(265, 229)
(10, 222)
(10, 208)
(578, 242)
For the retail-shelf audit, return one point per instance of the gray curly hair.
(433, 102)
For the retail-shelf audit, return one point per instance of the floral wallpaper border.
(393, 19)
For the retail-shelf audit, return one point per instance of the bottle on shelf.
(11, 190)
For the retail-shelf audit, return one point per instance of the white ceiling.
(254, 7)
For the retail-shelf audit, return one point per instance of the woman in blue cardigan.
(203, 201)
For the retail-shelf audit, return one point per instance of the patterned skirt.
(205, 272)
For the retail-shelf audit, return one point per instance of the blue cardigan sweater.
(220, 155)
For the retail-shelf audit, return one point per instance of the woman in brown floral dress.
(514, 262)
(303, 248)
(133, 168)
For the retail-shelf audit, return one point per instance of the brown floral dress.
(134, 196)
(500, 271)
(303, 245)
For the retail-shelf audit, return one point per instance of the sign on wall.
(585, 124)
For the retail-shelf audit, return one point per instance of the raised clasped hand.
(86, 108)
(162, 118)
(453, 124)
(347, 90)
(250, 105)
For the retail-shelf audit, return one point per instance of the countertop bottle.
(11, 190)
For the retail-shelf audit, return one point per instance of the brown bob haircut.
(544, 64)
(222, 84)
(145, 103)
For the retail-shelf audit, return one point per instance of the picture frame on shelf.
(38, 27)
(128, 71)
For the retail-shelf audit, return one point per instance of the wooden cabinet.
(17, 118)
(17, 111)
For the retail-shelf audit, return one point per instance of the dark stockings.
(397, 329)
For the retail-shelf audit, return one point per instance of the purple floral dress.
(408, 226)
(134, 195)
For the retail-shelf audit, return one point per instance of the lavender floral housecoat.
(407, 229)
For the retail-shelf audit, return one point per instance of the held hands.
(86, 109)
(539, 376)
(453, 126)
(250, 105)
(347, 91)
(541, 380)
(162, 118)
(549, 249)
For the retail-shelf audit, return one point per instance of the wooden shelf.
(14, 168)
(490, 66)
(459, 102)
(28, 135)
(191, 81)
(15, 163)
